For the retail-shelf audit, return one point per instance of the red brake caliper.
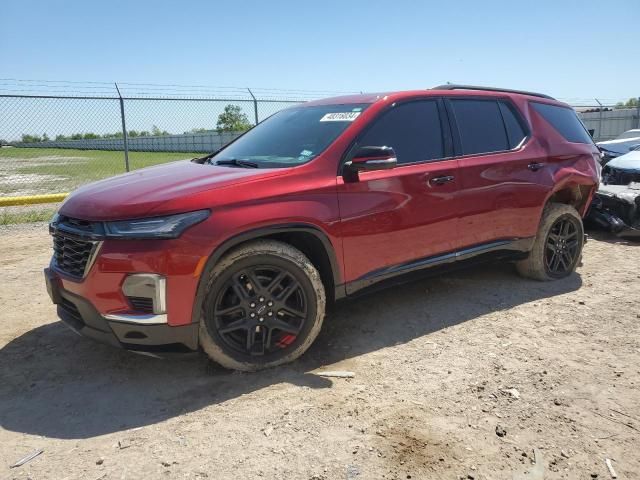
(286, 340)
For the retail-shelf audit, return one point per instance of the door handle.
(535, 166)
(441, 180)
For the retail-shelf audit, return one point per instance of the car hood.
(621, 145)
(162, 189)
(629, 161)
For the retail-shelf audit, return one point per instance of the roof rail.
(451, 86)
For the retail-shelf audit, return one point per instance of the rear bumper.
(83, 318)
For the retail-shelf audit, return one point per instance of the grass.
(28, 216)
(30, 171)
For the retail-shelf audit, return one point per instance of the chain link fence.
(55, 143)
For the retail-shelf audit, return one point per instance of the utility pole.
(255, 105)
(599, 136)
(125, 137)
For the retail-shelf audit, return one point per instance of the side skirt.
(510, 249)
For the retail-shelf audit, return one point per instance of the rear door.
(393, 217)
(500, 170)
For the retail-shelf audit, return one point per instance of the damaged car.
(622, 144)
(623, 170)
(616, 204)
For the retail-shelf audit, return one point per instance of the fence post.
(638, 114)
(255, 105)
(599, 120)
(125, 137)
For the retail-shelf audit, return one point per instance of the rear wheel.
(264, 306)
(557, 249)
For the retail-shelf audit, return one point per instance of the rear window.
(565, 121)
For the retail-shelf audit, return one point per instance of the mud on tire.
(557, 249)
(273, 332)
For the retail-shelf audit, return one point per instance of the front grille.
(83, 225)
(72, 255)
(141, 304)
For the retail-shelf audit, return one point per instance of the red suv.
(239, 251)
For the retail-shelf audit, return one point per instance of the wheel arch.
(309, 239)
(577, 195)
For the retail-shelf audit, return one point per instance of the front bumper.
(82, 317)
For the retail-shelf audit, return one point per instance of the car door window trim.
(457, 141)
(445, 128)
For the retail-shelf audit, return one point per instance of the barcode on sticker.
(340, 117)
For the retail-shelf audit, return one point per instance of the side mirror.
(372, 158)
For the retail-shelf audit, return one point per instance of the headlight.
(170, 226)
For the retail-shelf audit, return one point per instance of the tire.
(243, 309)
(546, 253)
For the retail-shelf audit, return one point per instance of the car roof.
(630, 133)
(458, 92)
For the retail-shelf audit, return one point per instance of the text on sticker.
(340, 117)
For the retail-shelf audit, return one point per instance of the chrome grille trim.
(76, 245)
(73, 256)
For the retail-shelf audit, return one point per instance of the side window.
(480, 126)
(412, 129)
(515, 132)
(565, 121)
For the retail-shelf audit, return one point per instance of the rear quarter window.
(515, 132)
(565, 121)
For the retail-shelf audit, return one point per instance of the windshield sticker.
(306, 153)
(358, 109)
(340, 117)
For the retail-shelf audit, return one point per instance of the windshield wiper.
(238, 163)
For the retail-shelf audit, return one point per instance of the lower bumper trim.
(154, 338)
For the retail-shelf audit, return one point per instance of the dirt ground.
(442, 366)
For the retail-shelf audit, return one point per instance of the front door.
(393, 218)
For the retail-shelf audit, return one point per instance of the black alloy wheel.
(260, 310)
(562, 247)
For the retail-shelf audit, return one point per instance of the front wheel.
(557, 248)
(264, 306)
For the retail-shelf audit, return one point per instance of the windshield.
(290, 137)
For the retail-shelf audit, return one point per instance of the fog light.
(147, 286)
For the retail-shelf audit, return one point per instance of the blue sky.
(569, 49)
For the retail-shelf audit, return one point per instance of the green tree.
(45, 137)
(232, 120)
(156, 132)
(90, 136)
(631, 103)
(112, 135)
(61, 138)
(26, 138)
